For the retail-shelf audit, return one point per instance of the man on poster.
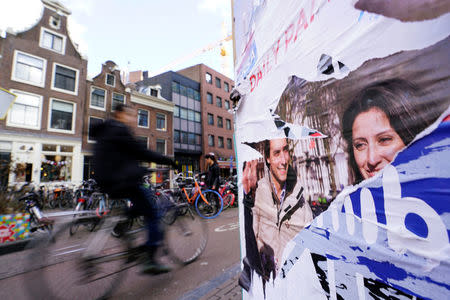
(279, 209)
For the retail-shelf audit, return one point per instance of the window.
(154, 93)
(110, 80)
(226, 86)
(210, 119)
(176, 136)
(211, 140)
(26, 111)
(184, 137)
(220, 122)
(143, 140)
(98, 98)
(196, 95)
(191, 138)
(183, 113)
(52, 41)
(56, 163)
(29, 69)
(190, 93)
(220, 141)
(143, 118)
(65, 79)
(218, 85)
(227, 104)
(116, 100)
(198, 139)
(218, 101)
(228, 124)
(65, 148)
(92, 123)
(161, 146)
(209, 98)
(197, 117)
(208, 78)
(191, 115)
(175, 87)
(62, 115)
(176, 111)
(229, 144)
(183, 90)
(161, 121)
(49, 147)
(55, 21)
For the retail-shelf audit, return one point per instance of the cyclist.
(117, 154)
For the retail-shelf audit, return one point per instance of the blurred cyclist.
(117, 154)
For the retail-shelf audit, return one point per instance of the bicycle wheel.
(182, 203)
(60, 269)
(211, 209)
(186, 237)
(75, 222)
(227, 200)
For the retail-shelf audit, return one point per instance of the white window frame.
(112, 99)
(44, 69)
(57, 18)
(89, 126)
(90, 99)
(165, 146)
(114, 81)
(77, 72)
(74, 113)
(41, 40)
(38, 127)
(165, 122)
(148, 118)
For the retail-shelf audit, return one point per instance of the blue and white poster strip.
(343, 141)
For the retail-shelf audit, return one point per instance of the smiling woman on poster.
(380, 121)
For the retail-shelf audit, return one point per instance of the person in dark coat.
(212, 173)
(117, 154)
(212, 179)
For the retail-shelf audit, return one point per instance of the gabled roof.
(57, 6)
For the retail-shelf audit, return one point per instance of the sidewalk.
(223, 287)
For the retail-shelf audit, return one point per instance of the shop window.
(56, 168)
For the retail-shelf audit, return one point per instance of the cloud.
(222, 7)
(80, 7)
(76, 32)
(14, 16)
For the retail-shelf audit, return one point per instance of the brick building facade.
(184, 93)
(217, 121)
(45, 136)
(41, 134)
(154, 114)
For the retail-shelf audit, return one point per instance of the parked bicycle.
(228, 191)
(61, 197)
(208, 203)
(94, 263)
(33, 207)
(89, 199)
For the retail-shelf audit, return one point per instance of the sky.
(148, 35)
